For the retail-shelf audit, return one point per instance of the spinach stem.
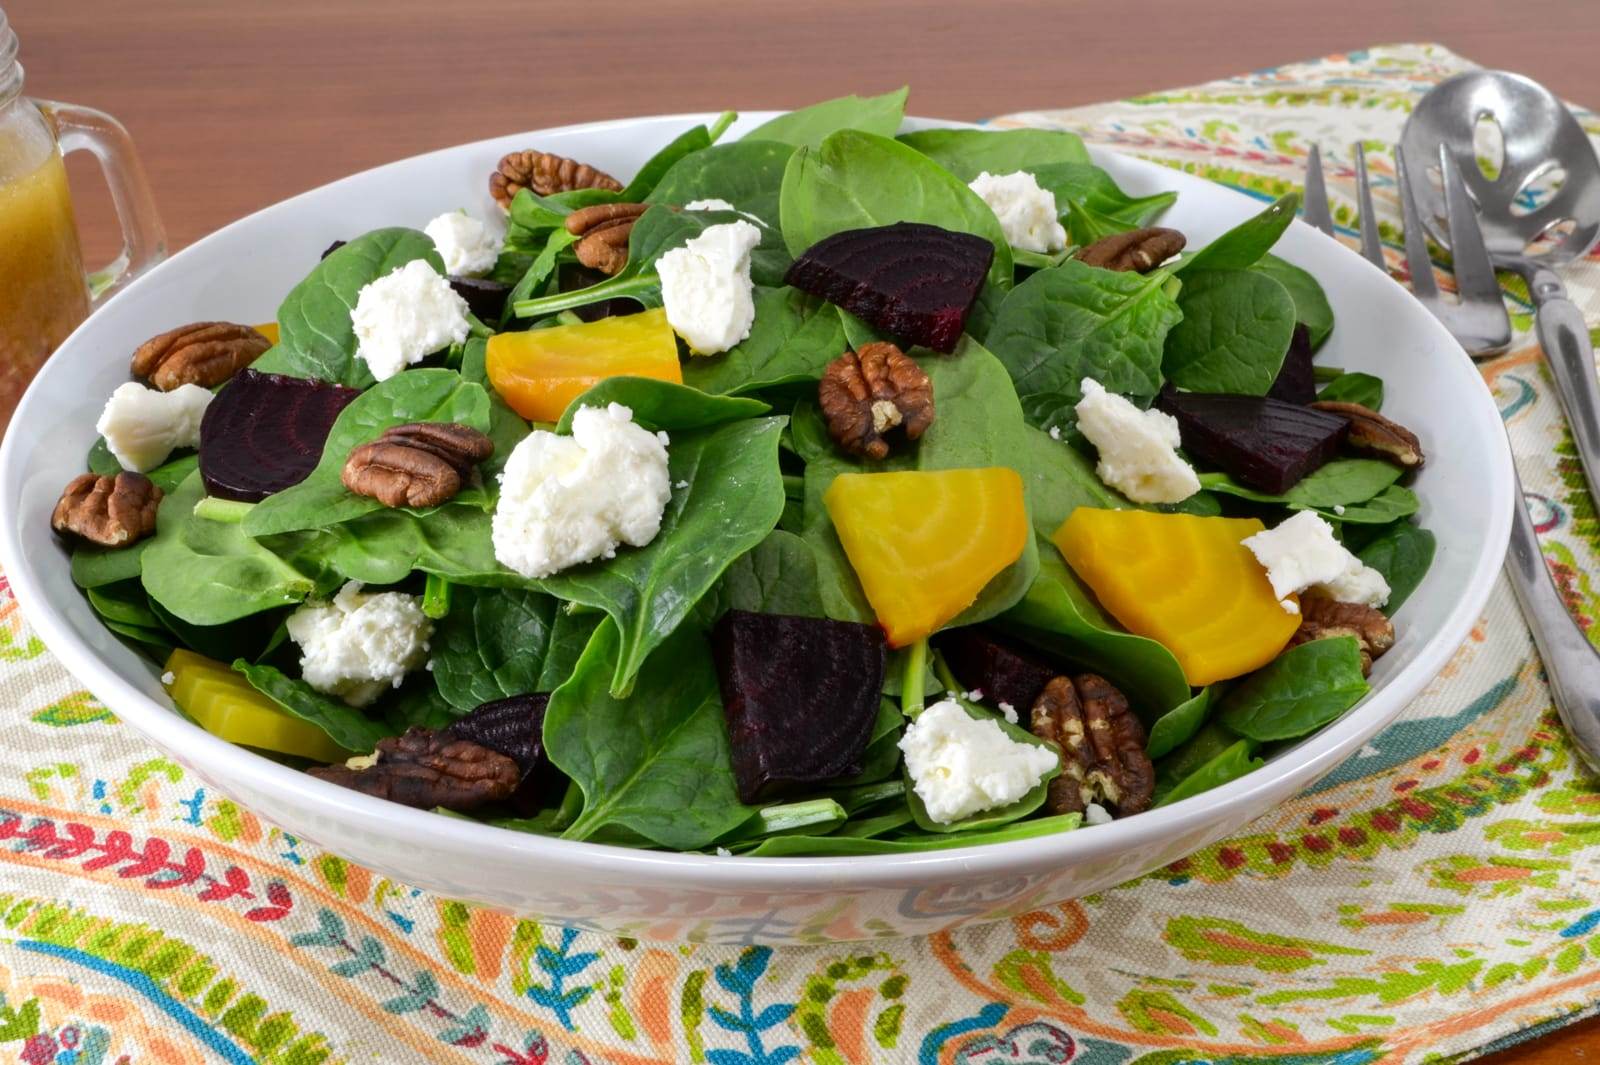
(720, 126)
(435, 596)
(794, 485)
(605, 290)
(941, 669)
(227, 511)
(786, 817)
(569, 810)
(916, 669)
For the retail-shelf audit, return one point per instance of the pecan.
(1141, 250)
(1102, 746)
(202, 353)
(546, 174)
(421, 464)
(604, 229)
(111, 511)
(1322, 618)
(869, 393)
(424, 768)
(1373, 434)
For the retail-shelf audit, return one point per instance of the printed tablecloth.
(1436, 895)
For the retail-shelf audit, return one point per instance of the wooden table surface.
(235, 105)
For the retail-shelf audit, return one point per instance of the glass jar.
(44, 290)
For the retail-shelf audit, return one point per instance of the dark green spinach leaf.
(809, 126)
(492, 644)
(968, 152)
(1311, 308)
(1362, 388)
(1296, 693)
(746, 173)
(663, 405)
(345, 725)
(1402, 555)
(793, 340)
(1246, 243)
(1235, 331)
(1234, 762)
(1342, 482)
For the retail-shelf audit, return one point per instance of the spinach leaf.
(855, 180)
(539, 270)
(1075, 321)
(1311, 308)
(746, 173)
(1390, 505)
(1244, 245)
(166, 476)
(93, 567)
(1234, 762)
(1235, 331)
(731, 500)
(1192, 755)
(1059, 616)
(656, 763)
(968, 152)
(315, 337)
(659, 405)
(418, 704)
(422, 395)
(685, 144)
(839, 845)
(1059, 480)
(1083, 190)
(1178, 725)
(808, 126)
(979, 424)
(570, 633)
(210, 572)
(989, 819)
(1362, 388)
(101, 461)
(384, 547)
(777, 576)
(124, 602)
(1341, 482)
(1296, 693)
(492, 644)
(793, 339)
(345, 725)
(1402, 555)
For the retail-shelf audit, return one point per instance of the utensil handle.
(1564, 336)
(1571, 662)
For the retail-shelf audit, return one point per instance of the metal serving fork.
(1480, 322)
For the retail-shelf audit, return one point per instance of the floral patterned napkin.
(1436, 896)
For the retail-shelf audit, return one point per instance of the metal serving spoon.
(1542, 141)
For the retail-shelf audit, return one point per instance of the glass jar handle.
(144, 240)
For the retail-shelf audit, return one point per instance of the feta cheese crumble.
(706, 287)
(1009, 712)
(1302, 555)
(405, 316)
(1138, 448)
(709, 204)
(360, 643)
(1026, 212)
(468, 245)
(960, 766)
(1095, 814)
(142, 426)
(168, 679)
(571, 499)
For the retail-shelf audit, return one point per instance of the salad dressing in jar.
(44, 292)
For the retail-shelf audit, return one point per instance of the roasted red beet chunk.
(916, 282)
(264, 432)
(1297, 380)
(514, 727)
(800, 696)
(1262, 443)
(985, 664)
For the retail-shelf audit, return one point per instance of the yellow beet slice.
(923, 544)
(223, 703)
(540, 371)
(269, 330)
(1185, 581)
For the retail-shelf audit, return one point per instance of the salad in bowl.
(831, 491)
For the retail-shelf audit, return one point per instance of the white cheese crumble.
(360, 643)
(706, 287)
(405, 316)
(973, 696)
(709, 204)
(571, 499)
(1009, 712)
(960, 766)
(723, 852)
(1138, 448)
(142, 426)
(468, 245)
(168, 679)
(1026, 212)
(1301, 555)
(1095, 814)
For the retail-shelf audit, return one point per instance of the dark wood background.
(235, 105)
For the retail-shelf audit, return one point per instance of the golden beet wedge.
(268, 330)
(1185, 581)
(223, 703)
(540, 371)
(923, 544)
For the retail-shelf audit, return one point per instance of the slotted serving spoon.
(1520, 216)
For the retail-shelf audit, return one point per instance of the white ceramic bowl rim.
(1318, 754)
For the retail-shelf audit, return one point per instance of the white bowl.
(242, 272)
